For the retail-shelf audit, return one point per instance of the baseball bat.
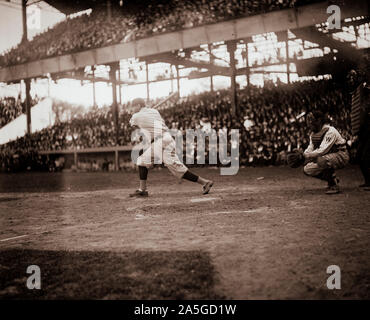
(165, 100)
(298, 117)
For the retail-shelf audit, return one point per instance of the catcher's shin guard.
(328, 175)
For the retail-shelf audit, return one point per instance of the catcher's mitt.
(295, 159)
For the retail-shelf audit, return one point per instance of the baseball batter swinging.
(162, 146)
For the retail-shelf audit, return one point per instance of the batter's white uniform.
(163, 146)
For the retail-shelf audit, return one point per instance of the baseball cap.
(138, 102)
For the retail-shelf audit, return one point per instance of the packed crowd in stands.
(134, 20)
(22, 155)
(267, 122)
(11, 108)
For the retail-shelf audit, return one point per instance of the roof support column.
(211, 60)
(287, 58)
(247, 67)
(93, 82)
(171, 77)
(178, 80)
(112, 73)
(28, 104)
(119, 85)
(24, 20)
(109, 10)
(147, 81)
(231, 46)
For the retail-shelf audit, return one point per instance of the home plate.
(140, 217)
(202, 199)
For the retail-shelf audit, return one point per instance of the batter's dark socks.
(190, 176)
(143, 172)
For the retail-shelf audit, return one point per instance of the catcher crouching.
(326, 152)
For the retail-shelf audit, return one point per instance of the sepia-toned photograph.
(184, 150)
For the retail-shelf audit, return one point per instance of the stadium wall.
(116, 158)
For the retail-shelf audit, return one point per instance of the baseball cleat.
(365, 187)
(333, 189)
(207, 187)
(329, 188)
(139, 193)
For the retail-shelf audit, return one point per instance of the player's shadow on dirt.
(66, 182)
(33, 182)
(321, 190)
(108, 275)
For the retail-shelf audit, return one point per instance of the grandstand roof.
(73, 6)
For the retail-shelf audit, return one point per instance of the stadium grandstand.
(257, 66)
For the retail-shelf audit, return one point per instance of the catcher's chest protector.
(318, 137)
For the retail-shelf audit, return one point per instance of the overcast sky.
(40, 17)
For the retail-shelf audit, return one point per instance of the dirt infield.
(265, 233)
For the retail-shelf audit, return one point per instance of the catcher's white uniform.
(163, 146)
(332, 149)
